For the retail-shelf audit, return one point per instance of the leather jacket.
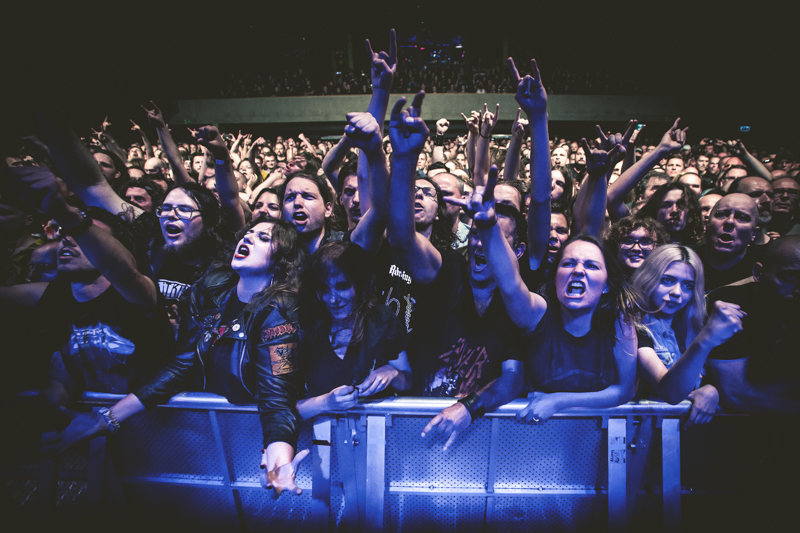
(255, 356)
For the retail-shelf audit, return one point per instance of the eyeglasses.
(626, 243)
(181, 211)
(430, 192)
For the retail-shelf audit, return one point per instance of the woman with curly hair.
(677, 335)
(633, 239)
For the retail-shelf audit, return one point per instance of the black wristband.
(484, 136)
(83, 227)
(474, 405)
(438, 139)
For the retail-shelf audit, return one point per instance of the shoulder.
(740, 294)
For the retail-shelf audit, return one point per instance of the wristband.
(83, 227)
(107, 416)
(474, 405)
(221, 161)
(484, 136)
(438, 139)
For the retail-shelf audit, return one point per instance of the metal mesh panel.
(242, 441)
(76, 458)
(412, 461)
(337, 508)
(443, 514)
(549, 513)
(566, 454)
(196, 507)
(166, 443)
(287, 513)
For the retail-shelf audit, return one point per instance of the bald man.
(726, 253)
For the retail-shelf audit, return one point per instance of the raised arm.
(442, 126)
(482, 159)
(333, 161)
(518, 129)
(227, 187)
(590, 204)
(752, 162)
(179, 174)
(106, 253)
(532, 98)
(78, 167)
(673, 139)
(364, 133)
(408, 133)
(473, 132)
(148, 148)
(108, 141)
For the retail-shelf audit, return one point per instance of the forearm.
(472, 140)
(334, 159)
(756, 165)
(23, 295)
(509, 386)
(402, 381)
(148, 148)
(364, 182)
(680, 380)
(179, 173)
(112, 145)
(511, 168)
(482, 161)
(630, 177)
(311, 407)
(378, 105)
(609, 397)
(590, 206)
(228, 189)
(541, 185)
(369, 231)
(401, 230)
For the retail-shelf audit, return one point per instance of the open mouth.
(242, 252)
(418, 207)
(173, 230)
(725, 238)
(299, 216)
(67, 252)
(576, 288)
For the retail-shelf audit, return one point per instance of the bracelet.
(221, 161)
(474, 405)
(109, 419)
(438, 139)
(83, 227)
(481, 135)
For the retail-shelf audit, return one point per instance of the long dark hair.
(693, 230)
(621, 301)
(352, 261)
(442, 235)
(288, 259)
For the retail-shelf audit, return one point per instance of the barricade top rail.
(402, 405)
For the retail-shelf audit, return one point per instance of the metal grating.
(205, 508)
(442, 514)
(412, 461)
(170, 443)
(286, 514)
(549, 513)
(241, 440)
(544, 456)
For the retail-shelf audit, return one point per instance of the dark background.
(726, 67)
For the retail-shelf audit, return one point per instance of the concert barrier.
(195, 462)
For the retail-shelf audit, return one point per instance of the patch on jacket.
(283, 358)
(278, 331)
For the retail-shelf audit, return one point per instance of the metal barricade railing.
(197, 456)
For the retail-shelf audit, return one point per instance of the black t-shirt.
(770, 334)
(396, 287)
(455, 351)
(174, 278)
(718, 278)
(557, 361)
(384, 338)
(108, 344)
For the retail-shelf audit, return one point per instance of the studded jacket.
(255, 357)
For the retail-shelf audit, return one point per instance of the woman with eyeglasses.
(677, 335)
(633, 239)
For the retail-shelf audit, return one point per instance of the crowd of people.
(305, 276)
(433, 78)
